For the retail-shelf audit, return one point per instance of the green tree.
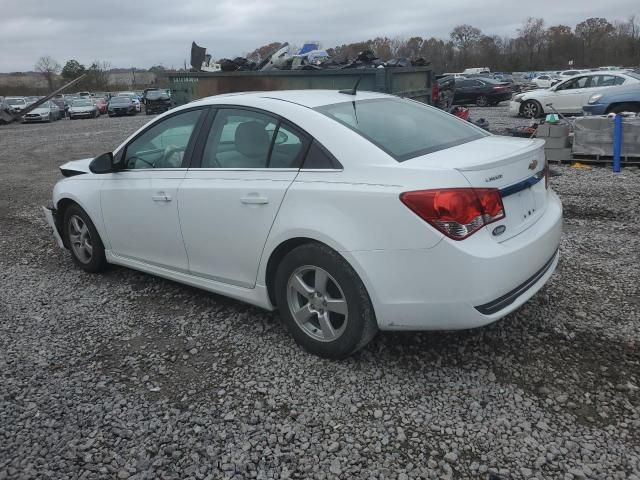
(72, 69)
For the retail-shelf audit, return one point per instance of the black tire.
(97, 261)
(625, 107)
(531, 109)
(482, 101)
(360, 322)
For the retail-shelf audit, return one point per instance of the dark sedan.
(121, 106)
(481, 91)
(157, 101)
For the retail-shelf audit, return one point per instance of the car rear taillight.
(456, 212)
(435, 93)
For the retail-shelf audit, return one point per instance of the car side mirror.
(102, 164)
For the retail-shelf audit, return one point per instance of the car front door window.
(164, 144)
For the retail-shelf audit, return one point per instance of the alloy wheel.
(80, 239)
(482, 101)
(317, 303)
(530, 110)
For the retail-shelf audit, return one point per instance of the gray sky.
(148, 32)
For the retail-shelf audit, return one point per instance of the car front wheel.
(83, 240)
(323, 302)
(482, 101)
(531, 109)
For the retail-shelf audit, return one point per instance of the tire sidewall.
(361, 319)
(98, 259)
(537, 105)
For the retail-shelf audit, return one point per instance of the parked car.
(157, 101)
(481, 91)
(83, 108)
(614, 100)
(17, 104)
(134, 98)
(44, 113)
(58, 114)
(413, 210)
(101, 104)
(545, 81)
(121, 106)
(569, 95)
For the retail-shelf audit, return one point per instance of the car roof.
(307, 98)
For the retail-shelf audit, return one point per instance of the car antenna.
(352, 91)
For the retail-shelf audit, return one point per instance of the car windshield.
(402, 128)
(156, 94)
(82, 103)
(15, 101)
(122, 100)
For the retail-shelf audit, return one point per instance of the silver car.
(44, 113)
(83, 108)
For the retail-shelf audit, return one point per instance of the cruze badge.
(492, 179)
(533, 164)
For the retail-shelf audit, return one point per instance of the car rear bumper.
(514, 108)
(49, 215)
(594, 109)
(461, 285)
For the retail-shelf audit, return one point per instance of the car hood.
(82, 109)
(76, 167)
(41, 110)
(538, 93)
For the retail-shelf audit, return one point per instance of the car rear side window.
(402, 128)
(319, 159)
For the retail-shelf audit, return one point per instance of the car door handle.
(161, 197)
(254, 199)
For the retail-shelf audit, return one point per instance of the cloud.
(142, 33)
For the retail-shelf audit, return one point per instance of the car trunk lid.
(514, 166)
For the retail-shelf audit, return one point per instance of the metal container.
(414, 82)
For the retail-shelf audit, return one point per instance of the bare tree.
(49, 68)
(465, 37)
(532, 36)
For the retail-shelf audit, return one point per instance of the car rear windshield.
(402, 128)
(121, 100)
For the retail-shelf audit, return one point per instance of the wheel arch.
(284, 247)
(622, 102)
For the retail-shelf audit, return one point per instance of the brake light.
(435, 93)
(456, 212)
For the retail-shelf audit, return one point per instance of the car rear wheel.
(83, 240)
(482, 101)
(323, 302)
(625, 107)
(531, 109)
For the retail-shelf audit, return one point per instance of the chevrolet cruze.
(348, 212)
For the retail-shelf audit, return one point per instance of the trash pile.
(309, 57)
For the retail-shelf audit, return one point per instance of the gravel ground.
(124, 375)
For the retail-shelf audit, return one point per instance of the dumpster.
(409, 82)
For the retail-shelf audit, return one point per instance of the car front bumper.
(596, 109)
(461, 285)
(514, 108)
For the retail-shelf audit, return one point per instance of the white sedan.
(568, 96)
(348, 213)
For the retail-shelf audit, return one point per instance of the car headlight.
(594, 98)
(518, 98)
